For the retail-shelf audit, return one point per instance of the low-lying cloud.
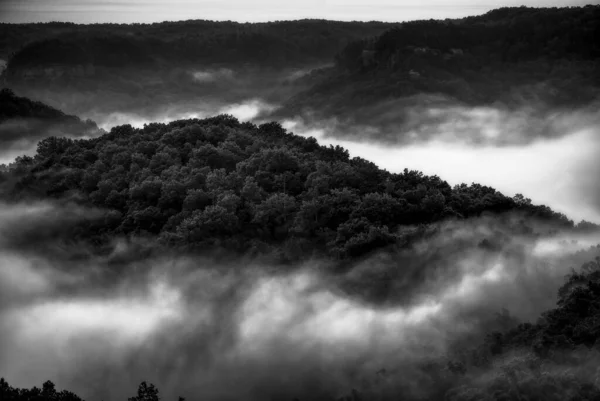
(213, 75)
(21, 136)
(553, 163)
(246, 110)
(191, 324)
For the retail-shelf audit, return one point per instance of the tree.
(251, 191)
(520, 200)
(53, 147)
(276, 214)
(146, 392)
(208, 225)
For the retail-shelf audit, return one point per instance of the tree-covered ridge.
(219, 182)
(13, 106)
(280, 43)
(504, 35)
(575, 322)
(509, 55)
(24, 122)
(555, 358)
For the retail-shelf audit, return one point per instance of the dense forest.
(509, 56)
(272, 44)
(205, 186)
(214, 208)
(217, 182)
(113, 68)
(355, 74)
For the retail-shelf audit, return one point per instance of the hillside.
(273, 44)
(214, 203)
(228, 258)
(18, 107)
(101, 69)
(221, 183)
(511, 57)
(24, 122)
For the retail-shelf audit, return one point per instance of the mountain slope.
(513, 57)
(142, 69)
(24, 122)
(272, 44)
(221, 183)
(14, 107)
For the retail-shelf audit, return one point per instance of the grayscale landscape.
(285, 201)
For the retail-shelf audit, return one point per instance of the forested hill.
(219, 183)
(274, 44)
(18, 107)
(515, 56)
(22, 118)
(24, 122)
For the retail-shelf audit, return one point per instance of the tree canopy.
(280, 43)
(513, 56)
(217, 182)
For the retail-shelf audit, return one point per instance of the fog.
(192, 325)
(21, 136)
(549, 157)
(245, 110)
(213, 75)
(133, 96)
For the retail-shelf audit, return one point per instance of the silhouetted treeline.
(145, 392)
(46, 393)
(221, 183)
(509, 55)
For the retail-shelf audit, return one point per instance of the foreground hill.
(510, 56)
(221, 183)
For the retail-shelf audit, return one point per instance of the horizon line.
(477, 10)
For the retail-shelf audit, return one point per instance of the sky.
(144, 11)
